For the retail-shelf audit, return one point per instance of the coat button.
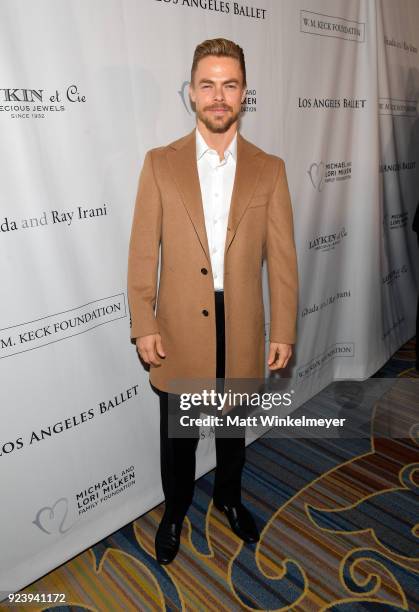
(205, 312)
(204, 271)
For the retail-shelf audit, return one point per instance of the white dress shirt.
(216, 179)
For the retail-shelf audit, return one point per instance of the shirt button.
(205, 312)
(204, 271)
(216, 195)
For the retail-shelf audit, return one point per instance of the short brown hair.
(221, 47)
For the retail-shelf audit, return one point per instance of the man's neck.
(219, 142)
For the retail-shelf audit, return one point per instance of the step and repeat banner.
(86, 89)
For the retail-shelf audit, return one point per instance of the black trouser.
(417, 334)
(177, 455)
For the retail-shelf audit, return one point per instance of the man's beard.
(215, 126)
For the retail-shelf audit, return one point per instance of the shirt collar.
(202, 147)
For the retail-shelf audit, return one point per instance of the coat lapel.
(248, 168)
(182, 162)
(183, 165)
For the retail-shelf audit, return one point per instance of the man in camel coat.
(217, 205)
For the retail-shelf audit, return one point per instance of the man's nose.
(218, 93)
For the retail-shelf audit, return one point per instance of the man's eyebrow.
(224, 82)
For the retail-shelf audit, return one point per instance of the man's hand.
(149, 347)
(279, 355)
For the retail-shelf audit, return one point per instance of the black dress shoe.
(167, 541)
(241, 521)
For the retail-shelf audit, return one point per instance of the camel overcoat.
(169, 212)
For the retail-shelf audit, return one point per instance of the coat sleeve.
(281, 262)
(143, 253)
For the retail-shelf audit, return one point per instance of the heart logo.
(316, 174)
(50, 519)
(184, 96)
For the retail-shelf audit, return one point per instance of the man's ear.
(244, 94)
(191, 92)
(191, 100)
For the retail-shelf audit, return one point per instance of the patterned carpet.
(339, 520)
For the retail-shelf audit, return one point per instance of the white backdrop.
(86, 89)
